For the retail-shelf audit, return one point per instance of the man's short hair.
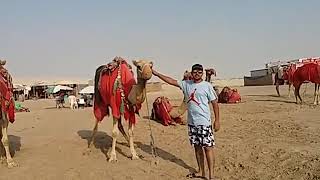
(197, 67)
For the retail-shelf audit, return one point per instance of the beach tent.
(87, 90)
(59, 88)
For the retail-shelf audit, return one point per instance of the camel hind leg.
(5, 141)
(115, 133)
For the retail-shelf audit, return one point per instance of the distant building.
(265, 76)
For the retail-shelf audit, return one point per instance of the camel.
(7, 114)
(307, 72)
(115, 87)
(209, 73)
(187, 75)
(229, 96)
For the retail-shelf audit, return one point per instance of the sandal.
(193, 175)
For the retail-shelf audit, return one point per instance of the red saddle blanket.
(109, 93)
(7, 103)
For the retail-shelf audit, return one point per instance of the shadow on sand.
(276, 100)
(15, 144)
(165, 156)
(260, 95)
(103, 141)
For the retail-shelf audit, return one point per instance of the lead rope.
(152, 144)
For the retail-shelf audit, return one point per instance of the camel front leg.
(316, 94)
(131, 143)
(115, 133)
(5, 141)
(297, 94)
(277, 88)
(3, 158)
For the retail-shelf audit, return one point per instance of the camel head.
(144, 69)
(187, 75)
(210, 72)
(3, 62)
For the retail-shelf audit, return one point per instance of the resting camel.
(307, 72)
(116, 88)
(7, 114)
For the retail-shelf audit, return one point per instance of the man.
(199, 94)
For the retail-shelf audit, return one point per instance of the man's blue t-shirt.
(198, 96)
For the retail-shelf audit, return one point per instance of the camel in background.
(187, 75)
(7, 114)
(209, 73)
(115, 87)
(307, 72)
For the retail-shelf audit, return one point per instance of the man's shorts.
(201, 135)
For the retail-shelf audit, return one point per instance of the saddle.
(114, 64)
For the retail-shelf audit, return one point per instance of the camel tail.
(97, 95)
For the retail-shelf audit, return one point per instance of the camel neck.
(208, 78)
(141, 82)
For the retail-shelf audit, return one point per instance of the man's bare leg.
(200, 160)
(210, 160)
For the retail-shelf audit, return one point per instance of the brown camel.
(7, 114)
(209, 73)
(114, 83)
(187, 75)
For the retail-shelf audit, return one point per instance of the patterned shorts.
(201, 135)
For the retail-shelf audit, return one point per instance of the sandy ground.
(265, 137)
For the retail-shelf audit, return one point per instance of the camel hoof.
(135, 157)
(87, 152)
(12, 164)
(3, 160)
(113, 159)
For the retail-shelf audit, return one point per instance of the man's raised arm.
(166, 79)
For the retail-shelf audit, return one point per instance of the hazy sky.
(71, 38)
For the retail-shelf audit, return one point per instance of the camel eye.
(139, 67)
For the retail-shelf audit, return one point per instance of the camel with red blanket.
(116, 88)
(7, 114)
(161, 112)
(309, 71)
(229, 96)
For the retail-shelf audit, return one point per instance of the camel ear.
(151, 63)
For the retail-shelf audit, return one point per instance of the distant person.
(199, 94)
(73, 102)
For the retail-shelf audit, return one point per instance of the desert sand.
(264, 137)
